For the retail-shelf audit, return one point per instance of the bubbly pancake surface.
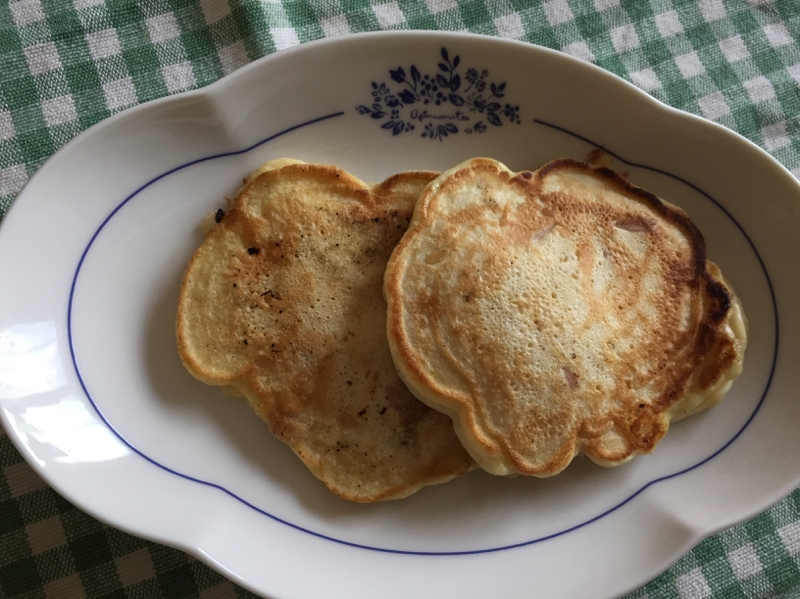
(558, 312)
(283, 303)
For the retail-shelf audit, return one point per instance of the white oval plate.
(95, 397)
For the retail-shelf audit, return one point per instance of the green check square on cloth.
(68, 64)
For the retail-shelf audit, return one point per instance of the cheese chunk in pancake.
(558, 312)
(283, 304)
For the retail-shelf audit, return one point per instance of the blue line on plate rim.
(383, 549)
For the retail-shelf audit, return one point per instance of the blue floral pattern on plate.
(460, 102)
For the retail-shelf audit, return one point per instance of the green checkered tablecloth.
(68, 64)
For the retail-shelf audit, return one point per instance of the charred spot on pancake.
(719, 300)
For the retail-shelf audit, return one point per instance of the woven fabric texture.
(66, 65)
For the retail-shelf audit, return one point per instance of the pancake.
(282, 303)
(558, 312)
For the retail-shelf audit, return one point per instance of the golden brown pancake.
(283, 304)
(558, 312)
